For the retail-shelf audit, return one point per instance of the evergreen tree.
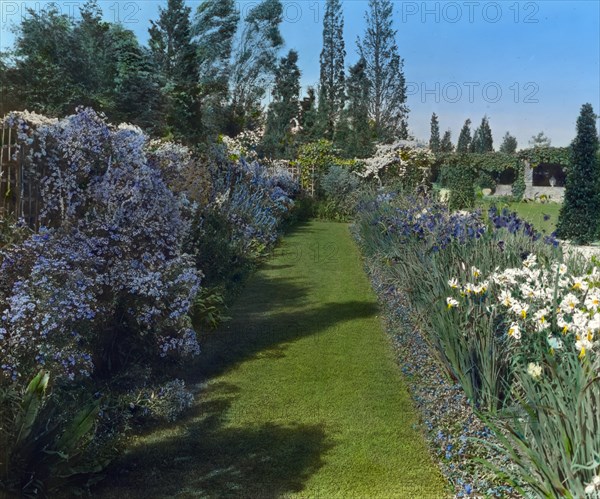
(482, 138)
(434, 140)
(135, 88)
(174, 56)
(509, 144)
(464, 139)
(446, 144)
(331, 81)
(284, 108)
(540, 140)
(255, 60)
(384, 68)
(578, 219)
(358, 140)
(45, 59)
(213, 30)
(308, 117)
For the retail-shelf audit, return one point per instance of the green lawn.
(532, 212)
(303, 397)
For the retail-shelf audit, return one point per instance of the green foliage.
(46, 450)
(549, 155)
(254, 61)
(354, 136)
(213, 30)
(464, 139)
(331, 79)
(551, 432)
(209, 308)
(482, 138)
(320, 155)
(446, 144)
(539, 141)
(384, 69)
(340, 189)
(278, 140)
(461, 182)
(434, 140)
(509, 144)
(579, 214)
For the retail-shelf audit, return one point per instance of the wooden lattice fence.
(20, 189)
(295, 172)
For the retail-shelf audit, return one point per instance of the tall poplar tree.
(331, 80)
(213, 29)
(387, 95)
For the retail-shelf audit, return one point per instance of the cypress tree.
(509, 144)
(331, 81)
(446, 144)
(464, 139)
(578, 219)
(434, 139)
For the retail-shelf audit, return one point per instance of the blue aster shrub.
(104, 285)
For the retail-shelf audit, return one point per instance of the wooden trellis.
(20, 193)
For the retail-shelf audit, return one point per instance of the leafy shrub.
(340, 191)
(44, 451)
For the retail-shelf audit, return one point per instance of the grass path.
(303, 397)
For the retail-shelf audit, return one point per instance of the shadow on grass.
(266, 335)
(207, 459)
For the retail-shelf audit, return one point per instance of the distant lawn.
(303, 397)
(535, 213)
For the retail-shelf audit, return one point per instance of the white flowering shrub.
(404, 161)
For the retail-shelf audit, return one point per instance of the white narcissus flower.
(579, 284)
(506, 298)
(534, 370)
(475, 272)
(451, 303)
(592, 300)
(514, 331)
(569, 303)
(530, 261)
(453, 283)
(520, 309)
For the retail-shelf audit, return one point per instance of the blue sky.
(528, 65)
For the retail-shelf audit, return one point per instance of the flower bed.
(525, 392)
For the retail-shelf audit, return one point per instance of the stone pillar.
(527, 174)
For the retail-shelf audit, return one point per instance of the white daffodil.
(592, 300)
(453, 283)
(569, 303)
(514, 331)
(579, 284)
(534, 370)
(583, 345)
(451, 303)
(506, 299)
(530, 261)
(475, 272)
(520, 309)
